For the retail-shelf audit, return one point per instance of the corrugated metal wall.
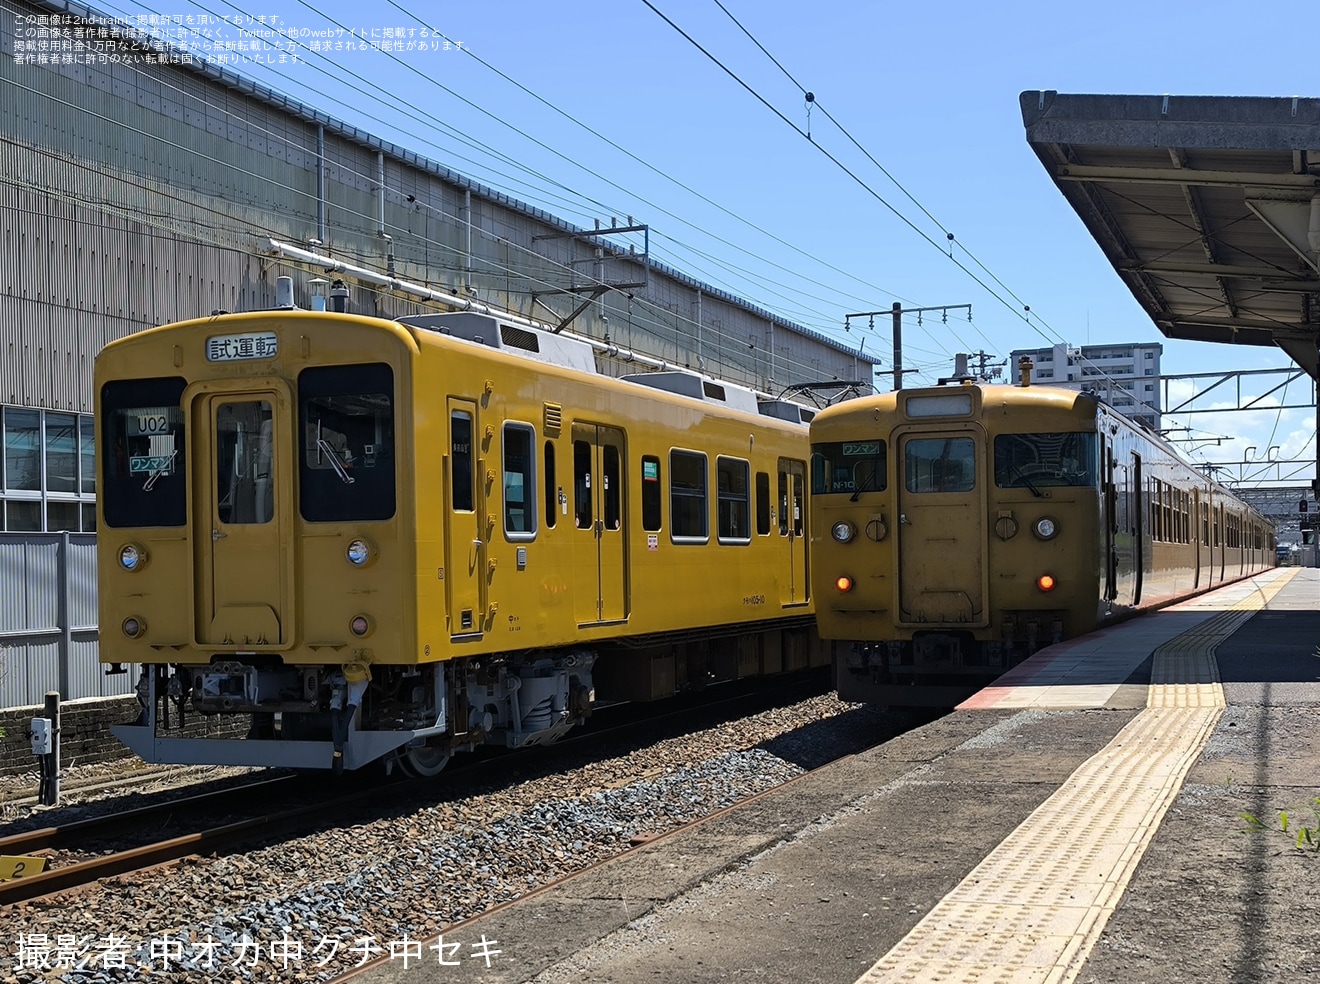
(48, 633)
(136, 194)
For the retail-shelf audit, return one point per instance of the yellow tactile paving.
(1033, 909)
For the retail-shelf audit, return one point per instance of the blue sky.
(930, 90)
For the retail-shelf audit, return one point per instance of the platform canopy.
(1207, 206)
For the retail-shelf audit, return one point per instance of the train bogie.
(348, 539)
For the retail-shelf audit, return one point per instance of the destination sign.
(236, 348)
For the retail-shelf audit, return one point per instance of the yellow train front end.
(328, 540)
(955, 531)
(255, 548)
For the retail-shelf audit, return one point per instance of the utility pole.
(982, 367)
(897, 312)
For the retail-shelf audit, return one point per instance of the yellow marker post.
(17, 866)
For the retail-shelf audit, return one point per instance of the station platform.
(1077, 821)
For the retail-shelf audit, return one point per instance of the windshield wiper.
(157, 473)
(324, 446)
(1017, 472)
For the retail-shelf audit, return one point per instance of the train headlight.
(1045, 582)
(358, 553)
(132, 557)
(360, 625)
(133, 627)
(843, 583)
(843, 532)
(1045, 528)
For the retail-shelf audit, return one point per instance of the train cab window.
(519, 482)
(762, 504)
(939, 464)
(848, 466)
(651, 494)
(551, 496)
(346, 435)
(687, 497)
(1039, 460)
(142, 448)
(733, 506)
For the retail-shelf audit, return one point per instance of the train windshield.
(346, 443)
(1031, 460)
(142, 453)
(848, 466)
(939, 464)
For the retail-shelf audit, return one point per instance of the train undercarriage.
(261, 712)
(942, 668)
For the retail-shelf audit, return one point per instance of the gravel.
(406, 871)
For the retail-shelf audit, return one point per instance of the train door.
(792, 530)
(600, 579)
(1111, 524)
(1126, 559)
(244, 495)
(941, 529)
(1138, 517)
(1194, 535)
(465, 537)
(1221, 542)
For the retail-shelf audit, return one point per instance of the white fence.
(48, 631)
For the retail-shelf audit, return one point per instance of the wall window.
(687, 496)
(519, 482)
(733, 505)
(47, 471)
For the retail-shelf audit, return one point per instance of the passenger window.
(687, 496)
(651, 496)
(762, 504)
(551, 505)
(519, 482)
(732, 503)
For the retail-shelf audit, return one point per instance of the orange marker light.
(1045, 582)
(844, 583)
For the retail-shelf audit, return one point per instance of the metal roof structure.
(1208, 207)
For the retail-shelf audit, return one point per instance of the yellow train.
(956, 529)
(353, 539)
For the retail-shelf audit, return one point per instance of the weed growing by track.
(1305, 837)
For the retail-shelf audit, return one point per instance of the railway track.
(78, 855)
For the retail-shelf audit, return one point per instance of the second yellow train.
(959, 528)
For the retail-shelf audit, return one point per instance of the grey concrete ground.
(818, 879)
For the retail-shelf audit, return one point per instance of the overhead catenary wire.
(824, 324)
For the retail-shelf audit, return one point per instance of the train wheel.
(424, 761)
